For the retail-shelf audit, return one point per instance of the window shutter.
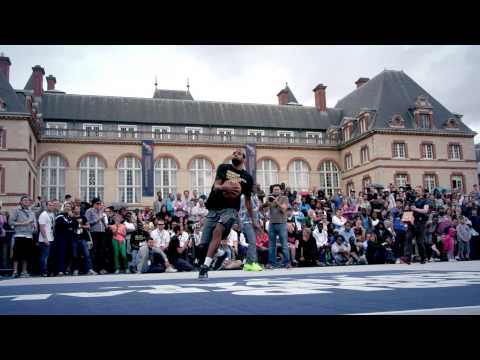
(460, 151)
(450, 152)
(423, 151)
(434, 157)
(405, 149)
(393, 150)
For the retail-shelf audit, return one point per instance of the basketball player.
(223, 204)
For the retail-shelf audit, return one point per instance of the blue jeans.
(44, 252)
(249, 232)
(281, 231)
(81, 244)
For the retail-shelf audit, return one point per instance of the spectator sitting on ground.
(176, 252)
(160, 236)
(152, 259)
(307, 253)
(138, 238)
(341, 251)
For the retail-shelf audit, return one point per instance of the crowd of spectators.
(376, 226)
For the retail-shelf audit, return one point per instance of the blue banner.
(147, 168)
(251, 160)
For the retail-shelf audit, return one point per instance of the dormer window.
(452, 124)
(397, 122)
(423, 113)
(363, 124)
(347, 132)
(424, 121)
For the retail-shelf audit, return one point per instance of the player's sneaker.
(248, 267)
(203, 273)
(170, 269)
(256, 267)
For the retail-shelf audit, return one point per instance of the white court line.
(417, 311)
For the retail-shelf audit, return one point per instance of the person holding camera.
(420, 208)
(278, 206)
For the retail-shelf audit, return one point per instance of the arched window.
(298, 175)
(267, 174)
(91, 178)
(52, 177)
(201, 175)
(329, 177)
(129, 180)
(165, 176)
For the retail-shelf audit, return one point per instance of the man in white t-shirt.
(160, 236)
(46, 222)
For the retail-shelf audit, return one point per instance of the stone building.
(387, 130)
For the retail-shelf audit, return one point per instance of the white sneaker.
(171, 270)
(91, 272)
(75, 273)
(117, 272)
(128, 271)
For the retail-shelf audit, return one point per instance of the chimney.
(5, 66)
(38, 73)
(283, 97)
(51, 81)
(320, 98)
(361, 81)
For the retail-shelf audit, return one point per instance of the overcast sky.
(253, 73)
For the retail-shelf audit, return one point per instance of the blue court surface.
(434, 288)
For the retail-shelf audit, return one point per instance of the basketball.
(233, 194)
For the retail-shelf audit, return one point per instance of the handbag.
(408, 217)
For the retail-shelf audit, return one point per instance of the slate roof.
(29, 84)
(291, 98)
(172, 94)
(180, 112)
(9, 96)
(390, 93)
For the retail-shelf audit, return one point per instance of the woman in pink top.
(119, 232)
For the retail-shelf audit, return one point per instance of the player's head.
(238, 157)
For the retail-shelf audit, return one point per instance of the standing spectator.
(158, 203)
(169, 203)
(180, 207)
(176, 252)
(464, 235)
(119, 233)
(95, 217)
(67, 200)
(248, 230)
(417, 230)
(475, 241)
(278, 227)
(81, 240)
(46, 222)
(338, 219)
(24, 222)
(64, 234)
(160, 236)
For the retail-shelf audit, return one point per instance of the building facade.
(387, 130)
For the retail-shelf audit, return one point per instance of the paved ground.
(434, 288)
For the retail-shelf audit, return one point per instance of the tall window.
(299, 175)
(201, 175)
(166, 176)
(256, 135)
(363, 125)
(430, 182)
(161, 132)
(348, 162)
(92, 130)
(91, 178)
(329, 177)
(399, 150)
(129, 180)
(427, 151)
(424, 121)
(52, 177)
(401, 180)
(347, 134)
(364, 155)
(267, 174)
(454, 152)
(127, 131)
(457, 182)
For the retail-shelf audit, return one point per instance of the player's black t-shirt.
(216, 200)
